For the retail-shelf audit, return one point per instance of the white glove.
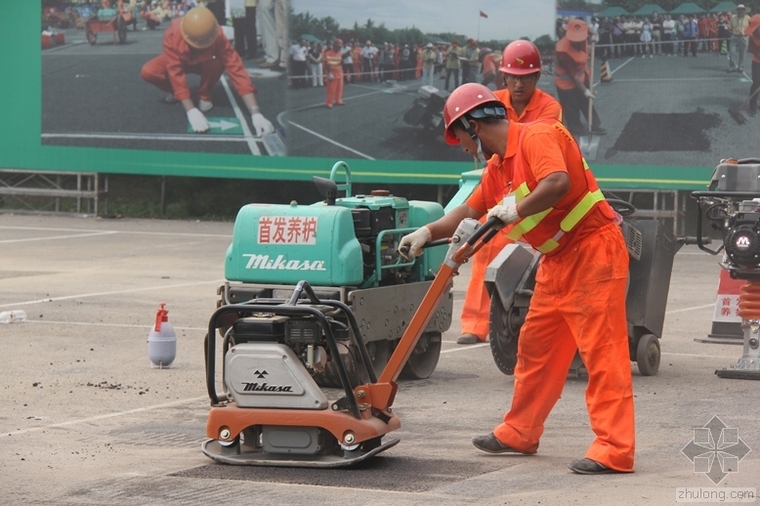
(197, 120)
(589, 94)
(261, 124)
(411, 244)
(506, 214)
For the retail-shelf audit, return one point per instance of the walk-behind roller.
(345, 247)
(272, 412)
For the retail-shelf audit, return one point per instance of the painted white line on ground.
(73, 236)
(693, 308)
(320, 136)
(116, 292)
(95, 231)
(464, 348)
(249, 139)
(668, 79)
(149, 137)
(115, 325)
(697, 355)
(103, 417)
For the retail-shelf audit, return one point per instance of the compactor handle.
(489, 229)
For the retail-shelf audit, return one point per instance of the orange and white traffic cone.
(727, 324)
(605, 75)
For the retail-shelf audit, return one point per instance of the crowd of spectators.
(381, 63)
(663, 34)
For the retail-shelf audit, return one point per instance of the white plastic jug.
(162, 341)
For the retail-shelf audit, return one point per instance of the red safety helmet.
(520, 58)
(473, 99)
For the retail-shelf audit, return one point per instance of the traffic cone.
(605, 72)
(724, 47)
(726, 324)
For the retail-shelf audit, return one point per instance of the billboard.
(81, 102)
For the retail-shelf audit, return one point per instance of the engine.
(741, 235)
(732, 205)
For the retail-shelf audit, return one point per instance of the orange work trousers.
(156, 73)
(578, 303)
(334, 87)
(477, 303)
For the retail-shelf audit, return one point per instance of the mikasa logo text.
(264, 387)
(281, 263)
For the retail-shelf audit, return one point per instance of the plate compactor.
(318, 297)
(273, 412)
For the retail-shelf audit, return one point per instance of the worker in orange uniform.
(195, 44)
(540, 186)
(520, 70)
(571, 77)
(753, 48)
(334, 74)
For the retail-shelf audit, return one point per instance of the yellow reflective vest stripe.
(573, 217)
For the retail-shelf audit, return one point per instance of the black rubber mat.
(379, 473)
(667, 132)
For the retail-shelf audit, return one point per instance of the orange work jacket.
(534, 151)
(569, 62)
(180, 56)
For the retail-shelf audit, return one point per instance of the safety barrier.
(49, 191)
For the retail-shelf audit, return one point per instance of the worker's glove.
(506, 214)
(197, 120)
(330, 76)
(411, 244)
(261, 124)
(589, 94)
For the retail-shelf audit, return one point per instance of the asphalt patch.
(379, 473)
(667, 132)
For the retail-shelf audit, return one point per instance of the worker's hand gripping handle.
(487, 231)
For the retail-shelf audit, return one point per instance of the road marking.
(693, 308)
(464, 348)
(320, 136)
(149, 137)
(116, 292)
(666, 79)
(109, 415)
(95, 231)
(74, 236)
(249, 139)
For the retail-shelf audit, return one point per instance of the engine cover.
(743, 245)
(270, 375)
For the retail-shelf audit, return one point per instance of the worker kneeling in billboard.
(195, 44)
(540, 186)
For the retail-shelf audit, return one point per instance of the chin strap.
(471, 132)
(481, 156)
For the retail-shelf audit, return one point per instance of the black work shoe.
(490, 444)
(588, 466)
(467, 338)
